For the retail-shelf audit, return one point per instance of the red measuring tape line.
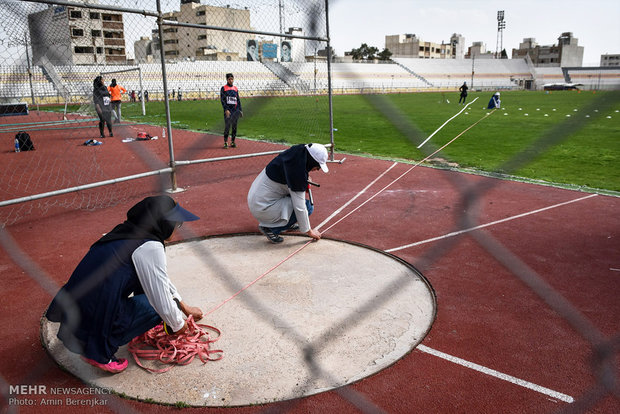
(181, 349)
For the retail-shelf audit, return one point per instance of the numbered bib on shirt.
(106, 100)
(231, 100)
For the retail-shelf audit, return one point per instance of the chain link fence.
(161, 55)
(167, 52)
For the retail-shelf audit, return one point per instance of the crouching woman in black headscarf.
(277, 197)
(96, 309)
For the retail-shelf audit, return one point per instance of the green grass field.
(571, 138)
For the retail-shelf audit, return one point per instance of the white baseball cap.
(319, 153)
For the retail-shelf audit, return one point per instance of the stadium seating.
(451, 73)
(595, 78)
(203, 79)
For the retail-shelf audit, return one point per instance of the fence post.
(329, 81)
(173, 173)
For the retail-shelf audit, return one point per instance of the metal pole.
(141, 90)
(173, 175)
(84, 5)
(29, 68)
(329, 82)
(83, 187)
(281, 10)
(232, 29)
(473, 59)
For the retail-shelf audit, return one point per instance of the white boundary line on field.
(497, 374)
(356, 196)
(444, 124)
(456, 233)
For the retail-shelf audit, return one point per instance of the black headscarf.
(291, 167)
(97, 82)
(145, 220)
(113, 82)
(99, 91)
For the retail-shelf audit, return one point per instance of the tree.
(385, 54)
(364, 52)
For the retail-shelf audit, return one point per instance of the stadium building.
(411, 46)
(65, 35)
(478, 50)
(610, 60)
(182, 43)
(566, 53)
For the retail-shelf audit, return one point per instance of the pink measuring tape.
(181, 349)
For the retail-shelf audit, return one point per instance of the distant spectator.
(103, 105)
(231, 103)
(146, 96)
(116, 92)
(133, 96)
(494, 102)
(179, 95)
(463, 90)
(173, 94)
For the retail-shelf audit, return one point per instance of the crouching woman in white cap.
(277, 197)
(121, 289)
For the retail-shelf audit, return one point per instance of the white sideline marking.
(497, 374)
(356, 196)
(444, 124)
(456, 233)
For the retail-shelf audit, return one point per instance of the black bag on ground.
(24, 141)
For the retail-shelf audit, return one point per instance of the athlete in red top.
(231, 103)
(115, 96)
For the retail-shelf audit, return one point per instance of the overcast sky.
(595, 23)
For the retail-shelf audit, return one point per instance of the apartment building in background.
(610, 60)
(182, 43)
(411, 46)
(566, 53)
(67, 35)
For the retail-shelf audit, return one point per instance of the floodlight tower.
(501, 25)
(281, 11)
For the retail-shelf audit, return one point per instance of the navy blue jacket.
(229, 97)
(92, 305)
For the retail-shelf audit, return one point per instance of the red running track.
(516, 353)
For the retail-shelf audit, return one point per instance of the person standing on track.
(277, 197)
(231, 103)
(103, 105)
(120, 289)
(116, 92)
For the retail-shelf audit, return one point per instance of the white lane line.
(497, 374)
(456, 233)
(356, 196)
(444, 124)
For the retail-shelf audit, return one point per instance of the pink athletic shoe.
(114, 366)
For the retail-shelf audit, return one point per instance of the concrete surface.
(331, 314)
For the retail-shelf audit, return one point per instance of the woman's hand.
(191, 310)
(315, 234)
(183, 329)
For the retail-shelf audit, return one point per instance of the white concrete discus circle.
(330, 315)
